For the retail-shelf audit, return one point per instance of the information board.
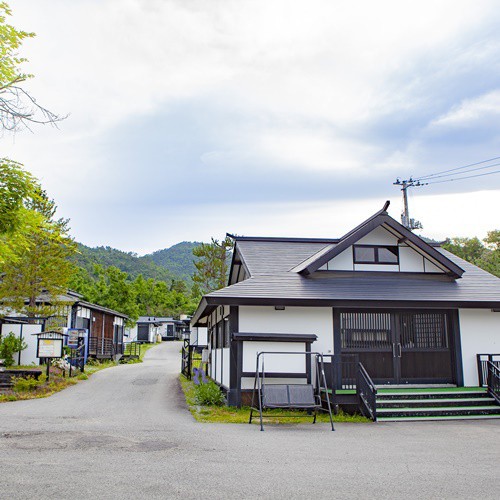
(73, 335)
(50, 348)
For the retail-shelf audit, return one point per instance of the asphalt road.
(126, 433)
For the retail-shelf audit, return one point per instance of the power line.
(457, 168)
(460, 178)
(419, 179)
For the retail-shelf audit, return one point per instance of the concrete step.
(439, 411)
(386, 396)
(434, 402)
(434, 418)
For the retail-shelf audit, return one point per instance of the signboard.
(50, 348)
(73, 335)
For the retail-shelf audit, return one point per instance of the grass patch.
(57, 381)
(30, 389)
(233, 415)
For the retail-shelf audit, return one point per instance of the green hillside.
(178, 259)
(175, 262)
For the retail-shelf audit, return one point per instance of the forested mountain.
(175, 262)
(178, 259)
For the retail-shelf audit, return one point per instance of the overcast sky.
(188, 119)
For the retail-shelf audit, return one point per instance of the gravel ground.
(126, 433)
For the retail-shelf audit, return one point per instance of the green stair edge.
(438, 417)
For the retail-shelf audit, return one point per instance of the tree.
(486, 256)
(40, 270)
(491, 258)
(111, 288)
(17, 106)
(16, 187)
(212, 264)
(469, 249)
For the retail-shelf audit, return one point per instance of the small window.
(370, 254)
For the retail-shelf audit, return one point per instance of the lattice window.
(365, 330)
(424, 331)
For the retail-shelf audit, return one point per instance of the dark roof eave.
(99, 308)
(213, 302)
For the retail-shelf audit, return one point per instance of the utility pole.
(407, 222)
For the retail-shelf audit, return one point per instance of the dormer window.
(376, 254)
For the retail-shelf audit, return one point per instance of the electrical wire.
(460, 178)
(457, 168)
(419, 179)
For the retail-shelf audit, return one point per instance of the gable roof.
(380, 218)
(477, 289)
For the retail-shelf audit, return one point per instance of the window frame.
(377, 260)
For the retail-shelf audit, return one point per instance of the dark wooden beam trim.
(274, 337)
(371, 304)
(277, 374)
(233, 395)
(457, 348)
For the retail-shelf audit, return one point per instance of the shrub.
(208, 394)
(9, 345)
(82, 376)
(26, 384)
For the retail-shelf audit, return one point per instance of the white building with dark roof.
(410, 312)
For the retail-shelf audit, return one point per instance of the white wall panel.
(480, 333)
(379, 236)
(342, 262)
(316, 320)
(278, 363)
(410, 261)
(28, 355)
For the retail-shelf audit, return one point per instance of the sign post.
(49, 346)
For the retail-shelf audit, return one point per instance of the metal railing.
(132, 350)
(76, 359)
(186, 359)
(367, 393)
(493, 380)
(482, 367)
(341, 371)
(99, 346)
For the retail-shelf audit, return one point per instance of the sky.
(188, 119)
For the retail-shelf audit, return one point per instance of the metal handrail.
(77, 354)
(366, 392)
(482, 367)
(493, 380)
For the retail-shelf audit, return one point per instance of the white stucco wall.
(316, 320)
(480, 334)
(220, 368)
(28, 355)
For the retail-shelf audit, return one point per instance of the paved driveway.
(125, 433)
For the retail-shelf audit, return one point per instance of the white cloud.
(470, 111)
(288, 86)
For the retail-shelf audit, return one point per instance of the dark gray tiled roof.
(474, 287)
(268, 257)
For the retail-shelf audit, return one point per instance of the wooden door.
(423, 350)
(398, 347)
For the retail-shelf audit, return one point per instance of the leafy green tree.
(212, 264)
(40, 270)
(17, 106)
(485, 256)
(16, 187)
(490, 260)
(10, 345)
(112, 289)
(469, 249)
